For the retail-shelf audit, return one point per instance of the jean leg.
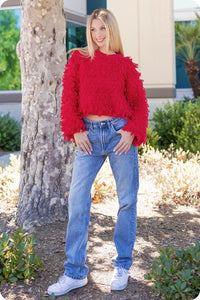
(85, 170)
(126, 173)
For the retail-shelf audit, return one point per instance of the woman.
(105, 111)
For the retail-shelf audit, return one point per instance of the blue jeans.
(104, 137)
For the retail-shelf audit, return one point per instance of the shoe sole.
(69, 289)
(119, 288)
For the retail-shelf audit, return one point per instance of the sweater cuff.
(69, 130)
(139, 137)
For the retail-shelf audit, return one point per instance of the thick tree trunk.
(192, 70)
(46, 161)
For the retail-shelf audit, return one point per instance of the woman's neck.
(109, 52)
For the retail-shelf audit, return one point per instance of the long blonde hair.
(114, 43)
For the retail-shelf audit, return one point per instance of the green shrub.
(178, 124)
(189, 137)
(176, 273)
(10, 133)
(17, 257)
(152, 140)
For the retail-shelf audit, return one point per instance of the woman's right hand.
(82, 141)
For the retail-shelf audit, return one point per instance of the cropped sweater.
(105, 85)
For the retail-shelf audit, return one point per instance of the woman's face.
(98, 32)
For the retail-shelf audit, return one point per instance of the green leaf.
(183, 285)
(159, 270)
(13, 279)
(52, 297)
(15, 261)
(177, 296)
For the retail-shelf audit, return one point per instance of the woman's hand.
(82, 141)
(125, 143)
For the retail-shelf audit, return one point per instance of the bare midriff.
(96, 118)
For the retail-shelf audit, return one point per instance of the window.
(93, 4)
(76, 35)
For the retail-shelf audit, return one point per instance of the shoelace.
(61, 279)
(119, 272)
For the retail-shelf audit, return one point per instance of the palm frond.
(188, 41)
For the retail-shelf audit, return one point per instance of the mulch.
(158, 225)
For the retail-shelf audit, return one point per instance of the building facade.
(147, 30)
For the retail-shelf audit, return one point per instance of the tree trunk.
(192, 70)
(46, 160)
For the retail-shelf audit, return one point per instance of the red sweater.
(105, 85)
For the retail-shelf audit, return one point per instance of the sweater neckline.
(104, 54)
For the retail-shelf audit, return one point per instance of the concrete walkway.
(5, 159)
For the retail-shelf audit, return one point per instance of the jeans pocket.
(118, 124)
(114, 129)
(93, 135)
(89, 130)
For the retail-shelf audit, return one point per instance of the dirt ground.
(159, 224)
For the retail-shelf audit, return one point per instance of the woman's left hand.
(125, 143)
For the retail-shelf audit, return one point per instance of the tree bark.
(46, 160)
(192, 71)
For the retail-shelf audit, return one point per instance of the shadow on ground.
(169, 225)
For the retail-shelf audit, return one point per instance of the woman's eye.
(103, 28)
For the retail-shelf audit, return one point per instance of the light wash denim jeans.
(103, 137)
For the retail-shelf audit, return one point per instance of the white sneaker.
(120, 279)
(65, 284)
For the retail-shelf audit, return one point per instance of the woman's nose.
(98, 33)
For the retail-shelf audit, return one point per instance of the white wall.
(13, 108)
(157, 103)
(186, 15)
(126, 13)
(157, 48)
(147, 31)
(182, 93)
(78, 7)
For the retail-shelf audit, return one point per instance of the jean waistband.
(101, 124)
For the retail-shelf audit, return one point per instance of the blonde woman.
(105, 111)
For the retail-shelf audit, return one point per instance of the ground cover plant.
(18, 259)
(176, 272)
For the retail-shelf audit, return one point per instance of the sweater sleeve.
(136, 97)
(71, 121)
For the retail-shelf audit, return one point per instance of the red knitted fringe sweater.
(105, 85)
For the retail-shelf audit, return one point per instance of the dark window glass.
(76, 35)
(182, 81)
(93, 4)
